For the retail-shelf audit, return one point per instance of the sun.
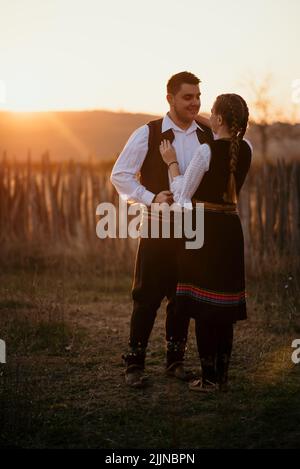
(28, 89)
(21, 94)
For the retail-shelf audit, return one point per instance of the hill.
(67, 134)
(103, 134)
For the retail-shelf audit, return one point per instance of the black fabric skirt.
(211, 280)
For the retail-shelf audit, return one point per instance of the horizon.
(113, 111)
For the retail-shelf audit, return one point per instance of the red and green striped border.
(211, 296)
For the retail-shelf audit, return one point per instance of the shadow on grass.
(24, 337)
(249, 416)
(62, 390)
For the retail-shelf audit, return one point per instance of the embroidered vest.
(154, 172)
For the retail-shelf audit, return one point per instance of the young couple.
(183, 159)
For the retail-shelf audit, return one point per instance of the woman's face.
(215, 120)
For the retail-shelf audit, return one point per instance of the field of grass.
(63, 383)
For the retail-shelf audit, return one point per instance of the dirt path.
(77, 398)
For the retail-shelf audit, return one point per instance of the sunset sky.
(118, 55)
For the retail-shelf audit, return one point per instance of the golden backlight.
(66, 55)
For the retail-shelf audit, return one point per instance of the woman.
(211, 286)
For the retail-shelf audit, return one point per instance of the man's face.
(186, 102)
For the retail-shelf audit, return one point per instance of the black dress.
(211, 280)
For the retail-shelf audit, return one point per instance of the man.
(155, 270)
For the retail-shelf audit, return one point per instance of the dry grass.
(63, 383)
(47, 209)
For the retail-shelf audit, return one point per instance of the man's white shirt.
(130, 161)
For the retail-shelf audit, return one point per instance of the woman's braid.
(235, 113)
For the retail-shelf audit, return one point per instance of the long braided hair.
(234, 110)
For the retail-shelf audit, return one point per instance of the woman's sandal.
(198, 385)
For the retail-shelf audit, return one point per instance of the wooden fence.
(55, 204)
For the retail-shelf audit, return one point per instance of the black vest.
(215, 180)
(154, 172)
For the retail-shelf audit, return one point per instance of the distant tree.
(262, 109)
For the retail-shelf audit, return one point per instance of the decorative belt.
(212, 207)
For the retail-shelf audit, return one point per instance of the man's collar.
(167, 124)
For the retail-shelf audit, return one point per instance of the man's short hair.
(175, 82)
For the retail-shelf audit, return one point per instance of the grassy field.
(63, 383)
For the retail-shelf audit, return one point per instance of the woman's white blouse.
(184, 186)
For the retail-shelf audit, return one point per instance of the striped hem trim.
(210, 296)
